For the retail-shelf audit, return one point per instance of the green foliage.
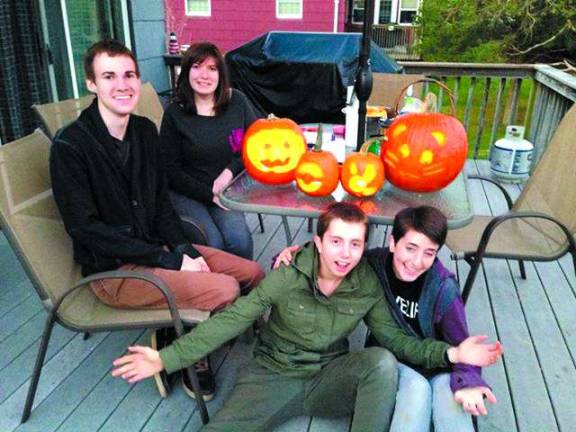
(498, 30)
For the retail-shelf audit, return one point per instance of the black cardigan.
(112, 219)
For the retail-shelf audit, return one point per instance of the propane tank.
(511, 156)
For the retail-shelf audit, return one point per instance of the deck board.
(534, 318)
(480, 314)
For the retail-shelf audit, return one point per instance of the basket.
(424, 80)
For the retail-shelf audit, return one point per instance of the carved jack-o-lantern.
(271, 149)
(424, 152)
(362, 173)
(317, 173)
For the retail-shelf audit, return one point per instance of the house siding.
(149, 29)
(234, 22)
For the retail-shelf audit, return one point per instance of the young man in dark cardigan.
(108, 183)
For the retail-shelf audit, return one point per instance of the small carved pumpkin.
(362, 173)
(317, 173)
(271, 149)
(424, 152)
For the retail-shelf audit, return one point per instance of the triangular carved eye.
(426, 157)
(440, 137)
(400, 129)
(404, 150)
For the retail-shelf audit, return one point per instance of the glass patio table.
(248, 195)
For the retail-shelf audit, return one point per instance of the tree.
(498, 30)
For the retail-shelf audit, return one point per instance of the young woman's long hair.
(197, 53)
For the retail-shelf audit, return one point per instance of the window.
(358, 11)
(384, 14)
(408, 11)
(382, 11)
(291, 9)
(198, 7)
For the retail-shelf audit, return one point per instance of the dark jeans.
(225, 229)
(361, 384)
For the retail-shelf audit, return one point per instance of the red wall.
(234, 22)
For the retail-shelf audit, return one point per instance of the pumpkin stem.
(318, 144)
(366, 145)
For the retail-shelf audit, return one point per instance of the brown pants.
(230, 275)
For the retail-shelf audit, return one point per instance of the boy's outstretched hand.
(474, 351)
(141, 363)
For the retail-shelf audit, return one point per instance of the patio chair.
(57, 114)
(540, 225)
(149, 104)
(32, 224)
(386, 87)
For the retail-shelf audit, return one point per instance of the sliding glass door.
(69, 28)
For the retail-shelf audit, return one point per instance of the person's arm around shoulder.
(284, 258)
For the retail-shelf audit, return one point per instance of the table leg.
(371, 229)
(287, 230)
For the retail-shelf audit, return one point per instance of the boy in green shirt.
(301, 360)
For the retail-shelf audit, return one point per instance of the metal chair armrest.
(186, 220)
(175, 315)
(498, 185)
(494, 223)
(121, 274)
(489, 230)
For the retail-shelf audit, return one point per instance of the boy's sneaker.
(205, 378)
(158, 340)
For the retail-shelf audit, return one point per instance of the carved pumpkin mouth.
(275, 163)
(309, 177)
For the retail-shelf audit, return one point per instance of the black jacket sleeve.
(75, 199)
(167, 221)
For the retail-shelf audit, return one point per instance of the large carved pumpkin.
(271, 149)
(424, 152)
(317, 173)
(362, 173)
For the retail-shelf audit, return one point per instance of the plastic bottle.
(173, 47)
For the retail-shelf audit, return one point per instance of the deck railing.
(491, 96)
(398, 41)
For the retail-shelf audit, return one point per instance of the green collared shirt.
(306, 329)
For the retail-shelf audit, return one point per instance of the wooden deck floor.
(534, 318)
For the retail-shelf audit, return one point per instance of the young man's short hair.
(348, 212)
(424, 219)
(113, 48)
